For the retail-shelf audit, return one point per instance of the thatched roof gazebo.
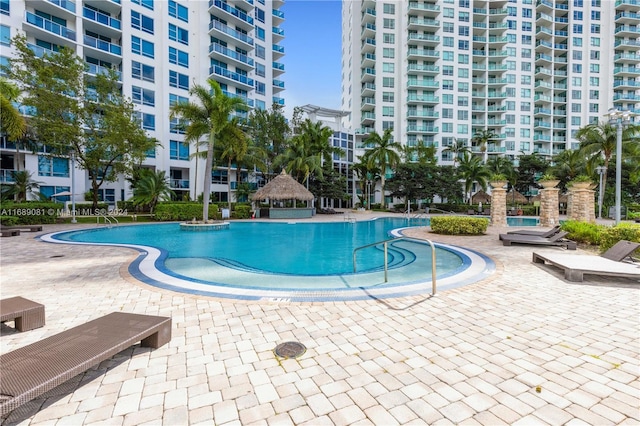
(481, 197)
(283, 188)
(514, 196)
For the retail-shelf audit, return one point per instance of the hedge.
(184, 211)
(459, 225)
(610, 236)
(241, 211)
(29, 213)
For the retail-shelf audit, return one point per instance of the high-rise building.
(160, 48)
(530, 72)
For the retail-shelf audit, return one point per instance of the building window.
(53, 166)
(260, 15)
(178, 34)
(260, 70)
(260, 33)
(388, 97)
(389, 8)
(260, 51)
(181, 81)
(388, 82)
(146, 3)
(142, 96)
(5, 35)
(178, 57)
(387, 111)
(178, 150)
(389, 23)
(447, 112)
(142, 72)
(142, 47)
(4, 7)
(388, 67)
(178, 11)
(388, 52)
(141, 22)
(388, 38)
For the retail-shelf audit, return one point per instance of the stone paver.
(521, 347)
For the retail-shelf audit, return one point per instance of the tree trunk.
(229, 184)
(207, 180)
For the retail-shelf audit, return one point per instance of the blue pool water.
(258, 260)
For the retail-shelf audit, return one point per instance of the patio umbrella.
(516, 197)
(283, 187)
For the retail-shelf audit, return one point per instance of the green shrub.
(184, 211)
(454, 225)
(9, 220)
(30, 213)
(583, 232)
(241, 211)
(611, 235)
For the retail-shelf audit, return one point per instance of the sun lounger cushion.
(26, 313)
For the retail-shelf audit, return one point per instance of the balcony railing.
(240, 57)
(231, 10)
(50, 26)
(230, 31)
(70, 6)
(102, 45)
(180, 183)
(101, 18)
(240, 78)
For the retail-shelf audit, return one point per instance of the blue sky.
(312, 43)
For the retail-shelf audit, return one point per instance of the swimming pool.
(293, 261)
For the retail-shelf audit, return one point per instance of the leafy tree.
(421, 153)
(151, 188)
(567, 165)
(447, 184)
(382, 153)
(208, 116)
(330, 185)
(244, 191)
(269, 131)
(529, 166)
(87, 118)
(233, 145)
(299, 160)
(472, 170)
(413, 181)
(365, 172)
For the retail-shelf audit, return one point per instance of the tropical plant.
(269, 131)
(382, 153)
(22, 186)
(208, 116)
(233, 146)
(598, 143)
(12, 123)
(473, 170)
(481, 138)
(151, 188)
(458, 150)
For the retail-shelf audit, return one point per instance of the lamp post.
(73, 188)
(602, 170)
(619, 119)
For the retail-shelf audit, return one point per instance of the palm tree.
(382, 153)
(233, 145)
(481, 138)
(11, 121)
(421, 153)
(568, 164)
(472, 170)
(22, 185)
(366, 174)
(151, 188)
(500, 165)
(208, 116)
(458, 150)
(299, 160)
(598, 143)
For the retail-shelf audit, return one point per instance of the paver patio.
(522, 347)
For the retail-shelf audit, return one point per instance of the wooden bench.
(26, 313)
(32, 370)
(25, 228)
(9, 232)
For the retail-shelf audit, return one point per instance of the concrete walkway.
(522, 347)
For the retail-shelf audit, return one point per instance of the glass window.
(260, 51)
(463, 16)
(178, 57)
(260, 33)
(146, 3)
(180, 81)
(388, 52)
(388, 67)
(53, 166)
(178, 34)
(388, 97)
(389, 23)
(142, 47)
(142, 96)
(178, 11)
(4, 7)
(178, 150)
(5, 35)
(389, 8)
(388, 111)
(260, 15)
(260, 70)
(142, 71)
(388, 38)
(141, 22)
(388, 82)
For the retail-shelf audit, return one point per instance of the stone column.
(583, 204)
(549, 213)
(499, 206)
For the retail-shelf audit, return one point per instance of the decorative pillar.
(549, 212)
(498, 205)
(582, 203)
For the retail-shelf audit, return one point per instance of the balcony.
(368, 104)
(278, 85)
(368, 60)
(368, 118)
(627, 57)
(421, 129)
(368, 75)
(50, 28)
(278, 16)
(102, 46)
(368, 30)
(228, 34)
(40, 51)
(422, 53)
(95, 70)
(415, 114)
(234, 15)
(369, 15)
(626, 84)
(368, 45)
(179, 183)
(423, 24)
(422, 68)
(631, 31)
(424, 8)
(247, 100)
(633, 45)
(234, 77)
(630, 97)
(278, 101)
(99, 22)
(627, 18)
(411, 83)
(278, 33)
(626, 71)
(236, 57)
(368, 89)
(423, 99)
(424, 39)
(278, 68)
(278, 51)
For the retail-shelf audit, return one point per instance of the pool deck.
(522, 347)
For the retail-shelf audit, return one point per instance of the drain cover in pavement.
(290, 350)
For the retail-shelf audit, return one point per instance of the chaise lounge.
(25, 313)
(25, 228)
(32, 370)
(556, 240)
(609, 263)
(544, 234)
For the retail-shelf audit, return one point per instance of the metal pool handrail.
(385, 244)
